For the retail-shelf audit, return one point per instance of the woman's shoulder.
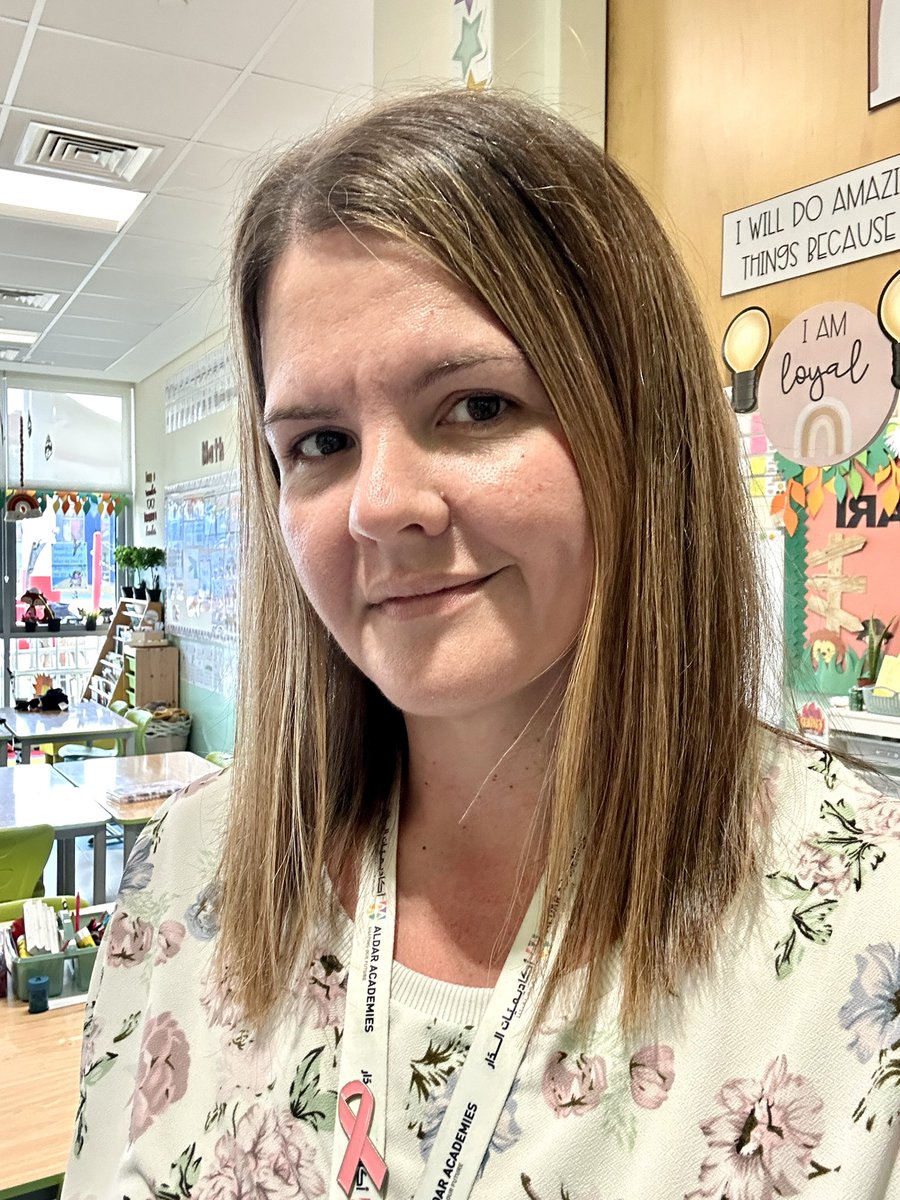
(178, 849)
(833, 861)
(808, 791)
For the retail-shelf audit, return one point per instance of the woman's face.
(428, 501)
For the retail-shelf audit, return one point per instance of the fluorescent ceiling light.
(66, 201)
(17, 337)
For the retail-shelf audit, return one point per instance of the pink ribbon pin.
(360, 1148)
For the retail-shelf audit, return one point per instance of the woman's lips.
(437, 603)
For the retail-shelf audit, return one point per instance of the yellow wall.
(714, 105)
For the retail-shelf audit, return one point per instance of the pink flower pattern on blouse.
(164, 1062)
(762, 1140)
(652, 1071)
(130, 939)
(268, 1155)
(169, 937)
(573, 1086)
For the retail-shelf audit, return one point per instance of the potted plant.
(140, 565)
(876, 635)
(153, 558)
(125, 560)
(90, 618)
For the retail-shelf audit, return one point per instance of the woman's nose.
(396, 490)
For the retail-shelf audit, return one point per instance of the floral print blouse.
(776, 1074)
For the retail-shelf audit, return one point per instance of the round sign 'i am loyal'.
(825, 392)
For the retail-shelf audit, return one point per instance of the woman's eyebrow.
(461, 362)
(423, 381)
(299, 412)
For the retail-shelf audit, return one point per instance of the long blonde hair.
(656, 761)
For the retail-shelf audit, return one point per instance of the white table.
(96, 777)
(85, 721)
(38, 795)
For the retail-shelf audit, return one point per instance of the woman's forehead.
(339, 303)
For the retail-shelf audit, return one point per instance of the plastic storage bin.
(51, 965)
(169, 731)
(887, 704)
(82, 959)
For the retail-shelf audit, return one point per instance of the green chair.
(11, 910)
(220, 758)
(23, 856)
(141, 717)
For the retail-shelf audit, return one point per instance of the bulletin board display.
(202, 537)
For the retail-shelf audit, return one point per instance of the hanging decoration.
(21, 505)
(806, 487)
(38, 501)
(473, 50)
(825, 392)
(48, 448)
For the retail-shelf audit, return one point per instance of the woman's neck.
(470, 851)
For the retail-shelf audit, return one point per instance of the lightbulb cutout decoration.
(889, 320)
(744, 347)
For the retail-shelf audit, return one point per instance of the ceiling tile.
(171, 217)
(112, 308)
(265, 112)
(165, 257)
(148, 176)
(96, 81)
(88, 362)
(39, 273)
(315, 47)
(20, 9)
(210, 173)
(59, 242)
(134, 286)
(90, 327)
(228, 32)
(30, 319)
(59, 343)
(11, 35)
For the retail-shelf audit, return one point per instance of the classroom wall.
(552, 49)
(714, 106)
(175, 458)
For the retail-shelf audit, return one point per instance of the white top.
(777, 1075)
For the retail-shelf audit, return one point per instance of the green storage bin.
(83, 959)
(51, 965)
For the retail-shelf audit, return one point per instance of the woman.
(613, 938)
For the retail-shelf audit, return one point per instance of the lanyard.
(486, 1077)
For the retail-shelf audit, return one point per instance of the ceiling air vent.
(21, 298)
(76, 152)
(10, 355)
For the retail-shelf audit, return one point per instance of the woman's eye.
(478, 408)
(321, 444)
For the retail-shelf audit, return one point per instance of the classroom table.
(39, 795)
(85, 721)
(41, 1055)
(100, 776)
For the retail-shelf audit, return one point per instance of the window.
(70, 445)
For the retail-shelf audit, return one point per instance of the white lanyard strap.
(364, 1050)
(486, 1077)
